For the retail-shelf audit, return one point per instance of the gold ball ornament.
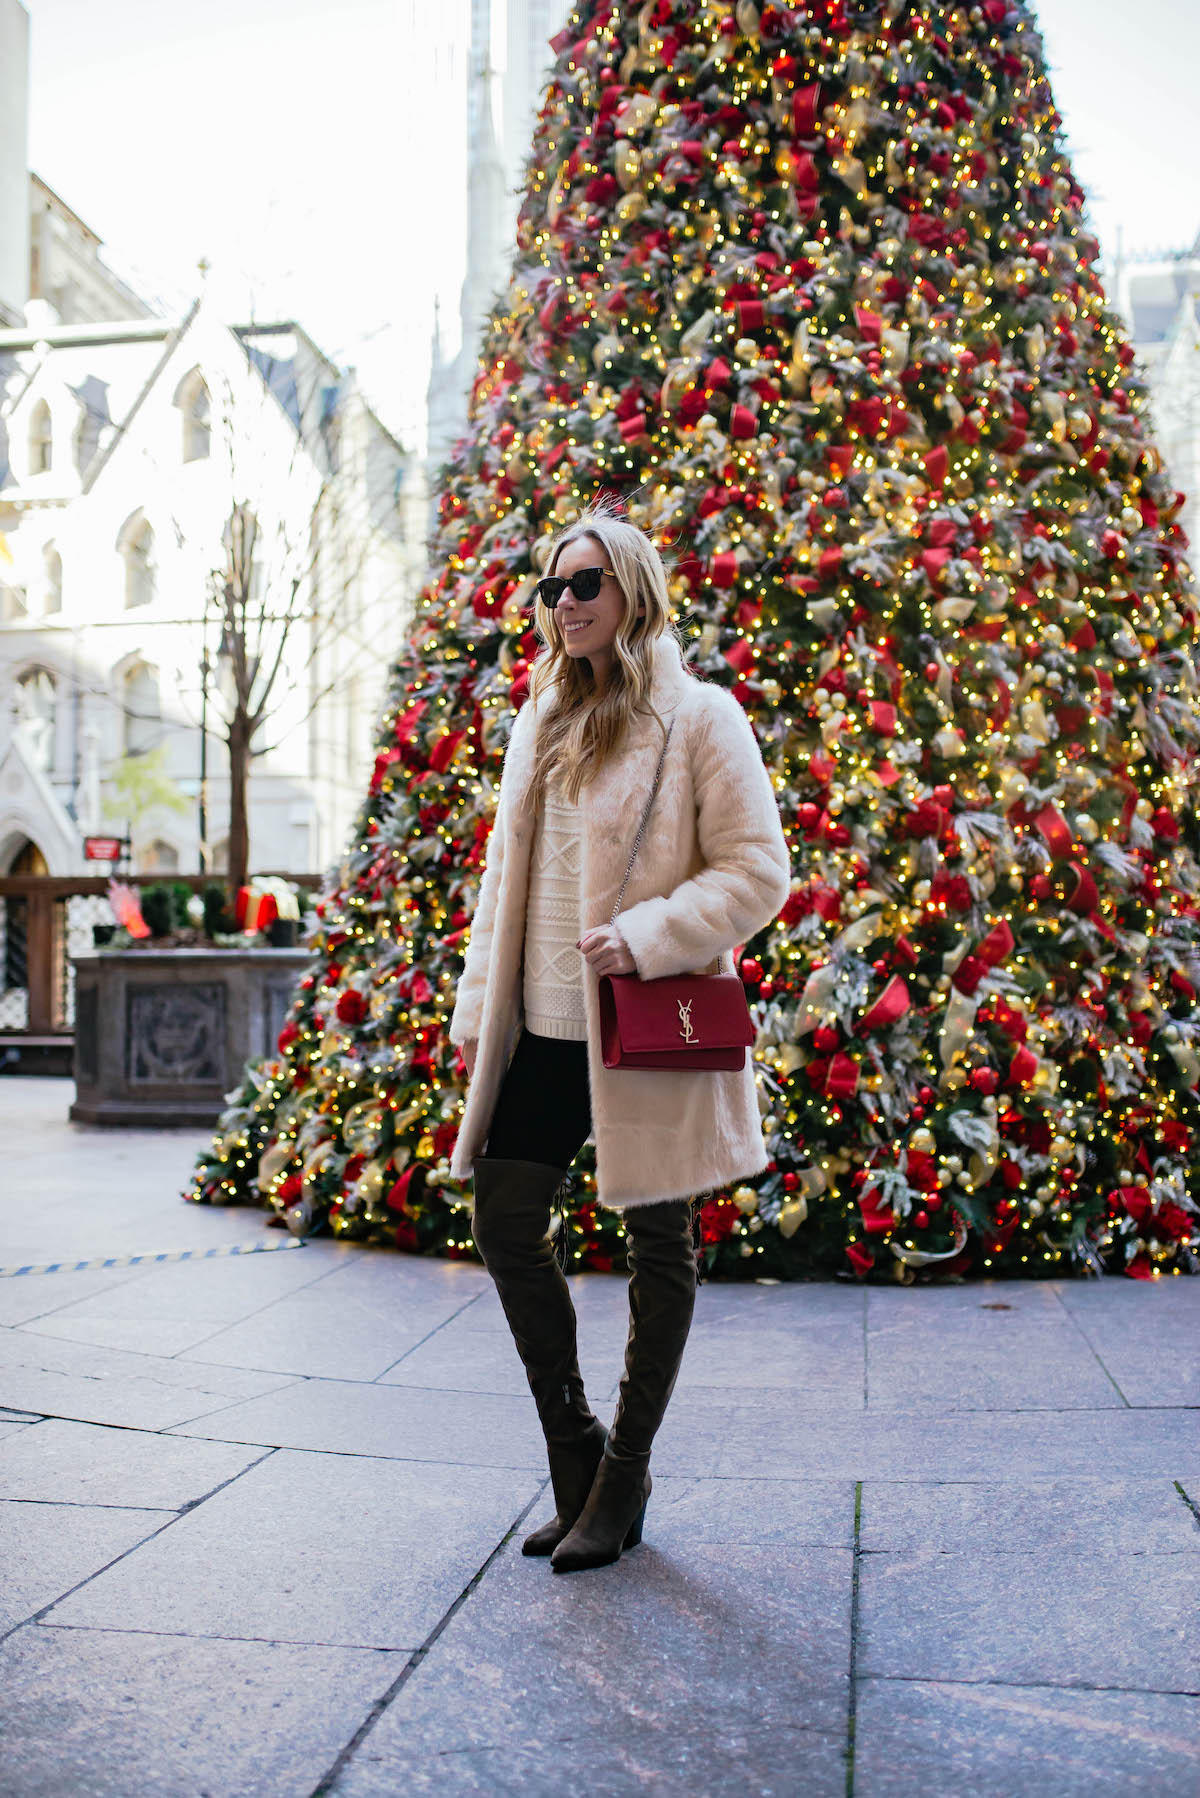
(792, 1215)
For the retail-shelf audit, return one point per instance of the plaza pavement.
(260, 1521)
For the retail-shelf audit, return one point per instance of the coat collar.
(670, 678)
(670, 682)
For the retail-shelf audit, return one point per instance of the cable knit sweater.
(553, 978)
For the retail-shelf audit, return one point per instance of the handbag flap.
(680, 1012)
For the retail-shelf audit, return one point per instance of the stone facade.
(125, 452)
(1158, 295)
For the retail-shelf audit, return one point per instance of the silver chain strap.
(637, 841)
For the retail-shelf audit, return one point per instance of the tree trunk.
(239, 830)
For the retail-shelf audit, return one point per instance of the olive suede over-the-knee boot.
(513, 1201)
(662, 1298)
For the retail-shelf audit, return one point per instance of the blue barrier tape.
(150, 1255)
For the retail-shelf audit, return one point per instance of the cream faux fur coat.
(712, 870)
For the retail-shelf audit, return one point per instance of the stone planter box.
(161, 1035)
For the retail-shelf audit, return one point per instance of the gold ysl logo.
(685, 1018)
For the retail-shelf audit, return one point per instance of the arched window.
(41, 439)
(159, 857)
(37, 704)
(196, 408)
(52, 580)
(137, 550)
(218, 860)
(141, 708)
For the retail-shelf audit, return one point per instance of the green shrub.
(156, 909)
(217, 917)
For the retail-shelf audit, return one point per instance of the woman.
(711, 871)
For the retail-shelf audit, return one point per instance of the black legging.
(544, 1109)
(544, 1113)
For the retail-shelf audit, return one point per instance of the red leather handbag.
(678, 1020)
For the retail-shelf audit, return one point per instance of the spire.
(485, 200)
(437, 353)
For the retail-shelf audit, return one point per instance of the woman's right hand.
(469, 1051)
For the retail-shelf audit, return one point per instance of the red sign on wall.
(103, 849)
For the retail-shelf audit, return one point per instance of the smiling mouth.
(582, 626)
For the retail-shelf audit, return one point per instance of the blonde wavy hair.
(583, 724)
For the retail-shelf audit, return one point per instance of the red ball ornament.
(921, 1220)
(931, 671)
(826, 1039)
(984, 1080)
(751, 970)
(926, 1094)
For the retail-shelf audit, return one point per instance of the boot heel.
(635, 1530)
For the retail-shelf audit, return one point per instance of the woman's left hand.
(605, 950)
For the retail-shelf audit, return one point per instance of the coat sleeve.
(467, 1016)
(747, 878)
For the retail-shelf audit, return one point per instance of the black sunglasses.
(584, 583)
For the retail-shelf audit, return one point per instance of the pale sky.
(307, 150)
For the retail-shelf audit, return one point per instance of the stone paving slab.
(677, 1637)
(322, 1334)
(810, 1362)
(212, 1293)
(25, 1298)
(1076, 1516)
(62, 1462)
(346, 1551)
(461, 1358)
(1150, 1351)
(1043, 1618)
(912, 1530)
(1046, 1368)
(45, 1550)
(114, 1386)
(1032, 1299)
(106, 1714)
(740, 1763)
(765, 1435)
(766, 1513)
(405, 1423)
(1000, 1741)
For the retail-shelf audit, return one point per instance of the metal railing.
(45, 920)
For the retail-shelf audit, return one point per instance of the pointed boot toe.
(572, 1471)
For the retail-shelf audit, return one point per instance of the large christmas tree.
(812, 289)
